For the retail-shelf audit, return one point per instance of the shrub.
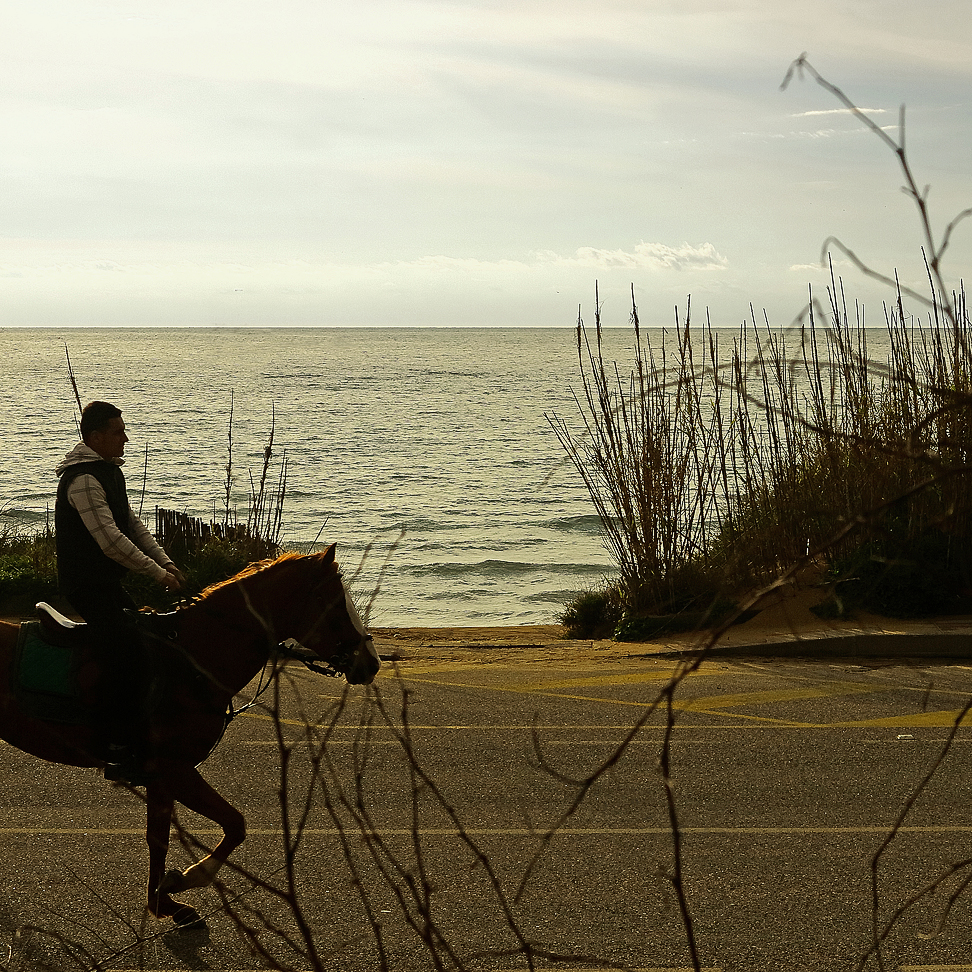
(593, 613)
(905, 578)
(214, 561)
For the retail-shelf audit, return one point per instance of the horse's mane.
(248, 571)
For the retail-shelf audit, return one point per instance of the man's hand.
(174, 579)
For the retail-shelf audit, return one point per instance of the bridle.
(338, 665)
(335, 666)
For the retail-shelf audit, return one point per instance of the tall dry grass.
(718, 459)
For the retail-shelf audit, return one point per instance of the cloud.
(646, 256)
(839, 111)
(807, 267)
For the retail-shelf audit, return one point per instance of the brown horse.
(219, 643)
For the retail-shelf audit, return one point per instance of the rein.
(334, 667)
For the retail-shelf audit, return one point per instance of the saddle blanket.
(45, 678)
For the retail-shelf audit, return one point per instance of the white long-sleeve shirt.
(88, 497)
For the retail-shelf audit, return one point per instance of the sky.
(466, 162)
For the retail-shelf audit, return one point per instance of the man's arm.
(88, 497)
(144, 540)
(149, 545)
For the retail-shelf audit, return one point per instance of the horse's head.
(327, 622)
(299, 597)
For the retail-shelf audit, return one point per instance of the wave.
(506, 568)
(19, 516)
(587, 522)
(559, 597)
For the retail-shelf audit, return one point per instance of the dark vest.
(80, 562)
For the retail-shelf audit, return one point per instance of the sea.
(426, 455)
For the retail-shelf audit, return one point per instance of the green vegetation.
(28, 568)
(206, 553)
(593, 613)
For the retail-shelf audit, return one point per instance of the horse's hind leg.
(186, 786)
(158, 822)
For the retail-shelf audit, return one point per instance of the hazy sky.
(462, 162)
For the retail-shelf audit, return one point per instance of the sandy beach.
(785, 625)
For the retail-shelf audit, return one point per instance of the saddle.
(61, 630)
(58, 629)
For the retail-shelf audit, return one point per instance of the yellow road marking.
(299, 740)
(633, 678)
(829, 690)
(936, 720)
(496, 831)
(683, 736)
(704, 704)
(270, 718)
(491, 727)
(523, 691)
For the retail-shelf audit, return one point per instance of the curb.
(950, 645)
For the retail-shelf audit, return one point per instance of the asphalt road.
(786, 778)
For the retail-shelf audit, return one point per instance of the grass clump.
(791, 448)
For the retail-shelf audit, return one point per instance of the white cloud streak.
(839, 111)
(645, 256)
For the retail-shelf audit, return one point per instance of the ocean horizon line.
(702, 326)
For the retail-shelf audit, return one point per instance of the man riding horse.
(99, 540)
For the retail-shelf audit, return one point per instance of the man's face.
(109, 442)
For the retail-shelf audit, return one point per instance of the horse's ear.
(327, 557)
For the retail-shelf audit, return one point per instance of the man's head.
(103, 430)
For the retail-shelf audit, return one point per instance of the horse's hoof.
(187, 917)
(172, 882)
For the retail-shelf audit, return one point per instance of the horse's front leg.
(158, 823)
(184, 785)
